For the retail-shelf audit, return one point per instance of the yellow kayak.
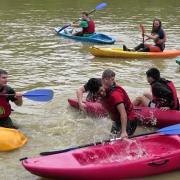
(11, 139)
(118, 52)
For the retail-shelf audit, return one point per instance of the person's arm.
(79, 94)
(123, 119)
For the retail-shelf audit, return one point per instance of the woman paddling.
(158, 35)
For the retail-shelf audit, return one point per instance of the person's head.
(108, 78)
(153, 74)
(84, 15)
(156, 25)
(3, 77)
(94, 85)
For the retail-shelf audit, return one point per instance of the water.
(36, 58)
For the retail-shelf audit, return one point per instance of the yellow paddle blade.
(11, 139)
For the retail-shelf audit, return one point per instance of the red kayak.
(138, 157)
(148, 116)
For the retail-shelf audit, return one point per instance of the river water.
(37, 58)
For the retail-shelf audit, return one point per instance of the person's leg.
(7, 123)
(141, 101)
(138, 47)
(131, 127)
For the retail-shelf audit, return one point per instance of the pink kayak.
(119, 159)
(148, 116)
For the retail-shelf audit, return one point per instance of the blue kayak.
(94, 38)
(178, 61)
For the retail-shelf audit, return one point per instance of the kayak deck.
(112, 160)
(118, 52)
(95, 38)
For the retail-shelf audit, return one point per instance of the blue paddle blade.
(100, 6)
(64, 27)
(174, 129)
(39, 95)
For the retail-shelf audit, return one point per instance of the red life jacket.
(5, 107)
(175, 98)
(90, 29)
(110, 102)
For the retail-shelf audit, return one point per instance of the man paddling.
(87, 25)
(7, 94)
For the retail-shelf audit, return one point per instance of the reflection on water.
(37, 58)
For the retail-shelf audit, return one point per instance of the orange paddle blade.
(142, 29)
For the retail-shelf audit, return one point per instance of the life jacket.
(90, 29)
(5, 107)
(162, 102)
(110, 105)
(175, 98)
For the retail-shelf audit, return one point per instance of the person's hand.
(124, 135)
(18, 95)
(82, 106)
(164, 108)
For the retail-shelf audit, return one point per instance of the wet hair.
(93, 85)
(154, 73)
(108, 73)
(3, 72)
(85, 13)
(153, 28)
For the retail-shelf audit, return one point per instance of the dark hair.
(93, 85)
(156, 30)
(154, 73)
(3, 72)
(85, 13)
(108, 73)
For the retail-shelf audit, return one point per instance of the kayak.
(94, 38)
(145, 115)
(118, 52)
(178, 61)
(11, 139)
(119, 159)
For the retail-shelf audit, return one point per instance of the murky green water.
(36, 58)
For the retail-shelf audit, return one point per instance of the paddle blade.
(39, 95)
(101, 6)
(174, 129)
(142, 29)
(64, 27)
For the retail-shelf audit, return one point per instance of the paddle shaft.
(91, 144)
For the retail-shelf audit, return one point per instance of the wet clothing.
(115, 96)
(164, 95)
(5, 107)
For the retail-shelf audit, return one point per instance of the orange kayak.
(118, 52)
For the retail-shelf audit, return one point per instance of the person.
(7, 94)
(115, 99)
(163, 93)
(117, 102)
(86, 23)
(91, 87)
(158, 35)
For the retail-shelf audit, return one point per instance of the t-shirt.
(10, 91)
(83, 24)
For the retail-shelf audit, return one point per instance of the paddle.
(170, 130)
(99, 7)
(142, 31)
(38, 94)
